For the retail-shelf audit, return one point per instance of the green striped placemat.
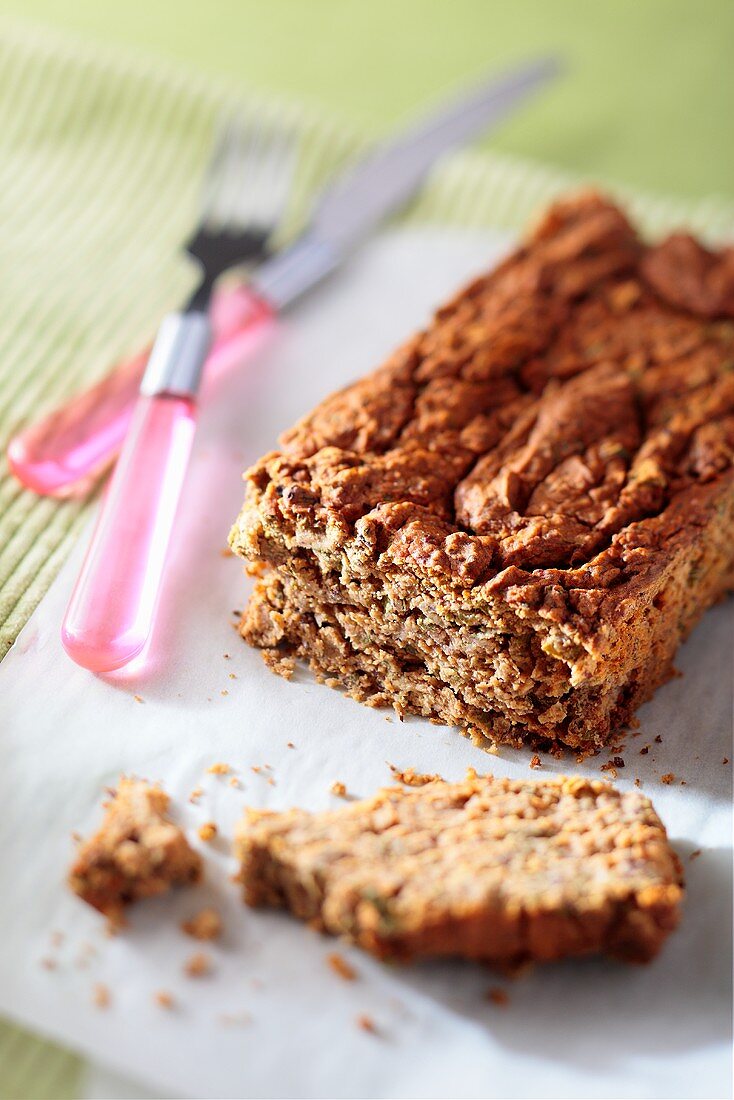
(100, 162)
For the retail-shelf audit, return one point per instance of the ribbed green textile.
(100, 162)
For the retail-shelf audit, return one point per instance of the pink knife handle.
(65, 452)
(111, 611)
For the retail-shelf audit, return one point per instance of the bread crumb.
(638, 782)
(234, 782)
(218, 769)
(644, 750)
(138, 698)
(196, 794)
(235, 1019)
(725, 760)
(289, 745)
(164, 999)
(226, 552)
(658, 739)
(341, 967)
(498, 997)
(48, 963)
(366, 1023)
(411, 778)
(204, 925)
(224, 692)
(339, 789)
(101, 996)
(695, 855)
(535, 761)
(233, 675)
(198, 965)
(207, 831)
(668, 778)
(618, 761)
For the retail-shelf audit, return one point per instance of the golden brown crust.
(495, 869)
(137, 852)
(551, 460)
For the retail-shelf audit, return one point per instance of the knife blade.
(64, 453)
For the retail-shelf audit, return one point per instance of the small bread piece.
(501, 870)
(137, 851)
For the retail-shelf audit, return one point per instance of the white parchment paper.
(272, 1019)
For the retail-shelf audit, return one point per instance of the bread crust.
(513, 523)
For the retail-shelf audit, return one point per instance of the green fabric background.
(648, 100)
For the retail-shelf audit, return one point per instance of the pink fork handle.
(65, 452)
(110, 615)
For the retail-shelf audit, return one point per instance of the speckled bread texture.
(137, 852)
(501, 870)
(513, 523)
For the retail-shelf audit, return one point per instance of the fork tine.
(249, 177)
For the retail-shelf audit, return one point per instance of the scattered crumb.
(204, 925)
(498, 997)
(226, 655)
(290, 745)
(638, 782)
(644, 750)
(235, 1019)
(411, 778)
(271, 781)
(101, 996)
(668, 778)
(618, 761)
(198, 965)
(76, 837)
(48, 963)
(138, 698)
(610, 769)
(695, 855)
(658, 739)
(339, 789)
(341, 967)
(196, 794)
(233, 675)
(226, 552)
(164, 999)
(218, 769)
(207, 831)
(366, 1023)
(224, 692)
(535, 761)
(234, 782)
(256, 768)
(725, 760)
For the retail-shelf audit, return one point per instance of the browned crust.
(137, 852)
(498, 870)
(535, 491)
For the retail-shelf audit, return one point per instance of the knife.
(112, 608)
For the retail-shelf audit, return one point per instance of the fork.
(111, 611)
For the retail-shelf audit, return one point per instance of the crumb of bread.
(138, 698)
(101, 995)
(338, 788)
(48, 963)
(207, 831)
(204, 925)
(196, 794)
(668, 778)
(498, 997)
(695, 854)
(341, 967)
(535, 761)
(290, 745)
(412, 778)
(234, 782)
(218, 769)
(366, 1023)
(198, 965)
(164, 999)
(137, 852)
